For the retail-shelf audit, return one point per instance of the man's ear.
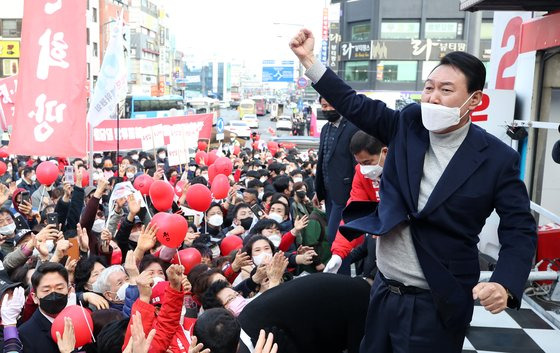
(35, 298)
(475, 100)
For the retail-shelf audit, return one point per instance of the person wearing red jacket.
(370, 155)
(161, 308)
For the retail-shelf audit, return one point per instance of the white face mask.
(263, 179)
(437, 118)
(161, 156)
(135, 157)
(130, 175)
(8, 229)
(276, 217)
(261, 194)
(205, 176)
(97, 160)
(50, 246)
(275, 239)
(33, 178)
(371, 171)
(298, 179)
(121, 292)
(98, 225)
(42, 158)
(260, 258)
(216, 220)
(157, 280)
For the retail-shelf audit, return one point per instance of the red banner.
(50, 117)
(144, 134)
(8, 89)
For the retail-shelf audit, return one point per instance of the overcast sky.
(243, 29)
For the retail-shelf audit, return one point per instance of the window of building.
(95, 53)
(356, 71)
(94, 12)
(11, 28)
(360, 31)
(400, 29)
(444, 29)
(397, 71)
(87, 36)
(486, 28)
(88, 71)
(87, 4)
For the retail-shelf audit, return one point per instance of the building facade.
(394, 44)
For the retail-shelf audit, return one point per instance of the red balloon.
(172, 228)
(199, 197)
(201, 157)
(189, 258)
(3, 168)
(212, 156)
(220, 187)
(161, 194)
(255, 146)
(223, 166)
(4, 152)
(85, 178)
(81, 320)
(143, 183)
(257, 137)
(229, 244)
(47, 172)
(116, 257)
(179, 187)
(202, 145)
(212, 173)
(236, 150)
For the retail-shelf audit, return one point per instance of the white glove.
(11, 308)
(333, 265)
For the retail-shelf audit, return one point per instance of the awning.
(510, 5)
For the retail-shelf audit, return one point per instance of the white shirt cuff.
(316, 71)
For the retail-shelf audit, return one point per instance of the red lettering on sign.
(513, 29)
(484, 103)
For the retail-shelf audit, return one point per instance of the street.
(264, 123)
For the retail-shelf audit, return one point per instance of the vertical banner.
(51, 97)
(111, 84)
(325, 36)
(8, 89)
(334, 42)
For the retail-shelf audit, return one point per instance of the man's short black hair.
(296, 172)
(47, 267)
(253, 192)
(238, 207)
(27, 171)
(361, 141)
(210, 297)
(111, 337)
(281, 183)
(218, 330)
(278, 202)
(470, 66)
(149, 259)
(255, 183)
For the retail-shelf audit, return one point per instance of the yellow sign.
(9, 49)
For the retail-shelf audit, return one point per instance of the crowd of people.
(71, 243)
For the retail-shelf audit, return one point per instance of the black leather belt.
(399, 288)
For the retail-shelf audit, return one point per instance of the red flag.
(50, 117)
(8, 89)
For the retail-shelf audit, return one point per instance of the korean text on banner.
(146, 134)
(8, 89)
(111, 84)
(51, 98)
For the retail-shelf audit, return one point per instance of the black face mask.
(53, 303)
(331, 115)
(300, 194)
(246, 223)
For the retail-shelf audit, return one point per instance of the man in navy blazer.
(442, 178)
(335, 166)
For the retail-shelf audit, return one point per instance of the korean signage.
(334, 43)
(278, 74)
(50, 111)
(325, 36)
(147, 134)
(414, 49)
(9, 49)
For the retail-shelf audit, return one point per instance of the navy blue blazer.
(35, 335)
(483, 175)
(340, 164)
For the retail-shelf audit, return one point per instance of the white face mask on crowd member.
(216, 220)
(161, 155)
(276, 217)
(129, 175)
(262, 258)
(98, 225)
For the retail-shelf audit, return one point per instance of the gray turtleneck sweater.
(396, 255)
